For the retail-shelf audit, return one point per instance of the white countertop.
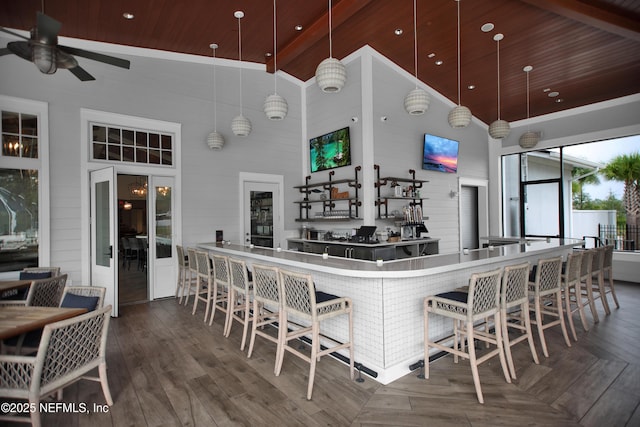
(409, 267)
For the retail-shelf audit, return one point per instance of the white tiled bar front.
(388, 300)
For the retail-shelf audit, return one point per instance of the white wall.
(585, 223)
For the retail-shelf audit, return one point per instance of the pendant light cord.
(215, 104)
(415, 42)
(498, 55)
(527, 95)
(458, 1)
(330, 42)
(275, 54)
(240, 59)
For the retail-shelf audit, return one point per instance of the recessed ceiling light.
(546, 89)
(471, 87)
(487, 27)
(268, 54)
(559, 100)
(431, 55)
(439, 62)
(298, 27)
(128, 15)
(553, 94)
(398, 31)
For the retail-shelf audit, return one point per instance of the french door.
(162, 232)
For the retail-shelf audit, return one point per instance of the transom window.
(118, 144)
(19, 134)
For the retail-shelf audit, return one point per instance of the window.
(23, 174)
(116, 144)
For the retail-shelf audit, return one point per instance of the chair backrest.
(182, 262)
(607, 262)
(598, 260)
(548, 275)
(298, 294)
(221, 273)
(585, 265)
(46, 292)
(484, 293)
(266, 284)
(124, 242)
(87, 292)
(193, 262)
(239, 275)
(572, 269)
(203, 265)
(69, 349)
(515, 282)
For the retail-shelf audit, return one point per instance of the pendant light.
(275, 106)
(215, 141)
(499, 129)
(240, 125)
(417, 101)
(331, 74)
(528, 139)
(460, 116)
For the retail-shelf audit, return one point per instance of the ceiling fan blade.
(48, 28)
(13, 34)
(81, 74)
(22, 49)
(111, 60)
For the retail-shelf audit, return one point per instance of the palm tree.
(580, 177)
(626, 168)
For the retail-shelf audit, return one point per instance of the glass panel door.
(262, 218)
(162, 263)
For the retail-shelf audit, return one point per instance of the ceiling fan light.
(241, 126)
(331, 75)
(275, 107)
(417, 102)
(499, 129)
(215, 141)
(45, 58)
(459, 117)
(529, 140)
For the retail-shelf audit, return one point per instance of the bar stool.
(222, 282)
(183, 267)
(607, 282)
(267, 309)
(481, 302)
(302, 301)
(597, 274)
(547, 288)
(571, 291)
(192, 273)
(586, 289)
(514, 310)
(239, 299)
(205, 285)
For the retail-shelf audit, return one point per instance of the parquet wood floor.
(168, 368)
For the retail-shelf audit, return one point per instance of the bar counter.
(388, 299)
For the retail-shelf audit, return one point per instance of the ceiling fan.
(42, 49)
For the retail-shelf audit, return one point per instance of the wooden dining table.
(16, 320)
(11, 287)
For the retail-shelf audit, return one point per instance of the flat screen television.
(439, 154)
(331, 150)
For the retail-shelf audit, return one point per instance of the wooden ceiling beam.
(591, 15)
(340, 13)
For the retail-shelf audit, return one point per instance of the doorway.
(133, 277)
(261, 206)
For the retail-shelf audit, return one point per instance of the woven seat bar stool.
(481, 302)
(571, 291)
(206, 286)
(222, 284)
(514, 311)
(595, 283)
(267, 309)
(586, 287)
(546, 288)
(192, 274)
(182, 284)
(239, 307)
(607, 277)
(301, 301)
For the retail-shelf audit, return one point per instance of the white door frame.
(483, 206)
(278, 223)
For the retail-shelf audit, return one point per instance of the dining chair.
(514, 311)
(68, 351)
(302, 303)
(46, 292)
(480, 303)
(571, 291)
(267, 306)
(546, 292)
(239, 307)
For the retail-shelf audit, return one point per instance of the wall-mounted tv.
(331, 150)
(439, 154)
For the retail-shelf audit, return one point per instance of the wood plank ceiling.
(586, 50)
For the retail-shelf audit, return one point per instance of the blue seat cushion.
(79, 301)
(323, 296)
(34, 275)
(455, 296)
